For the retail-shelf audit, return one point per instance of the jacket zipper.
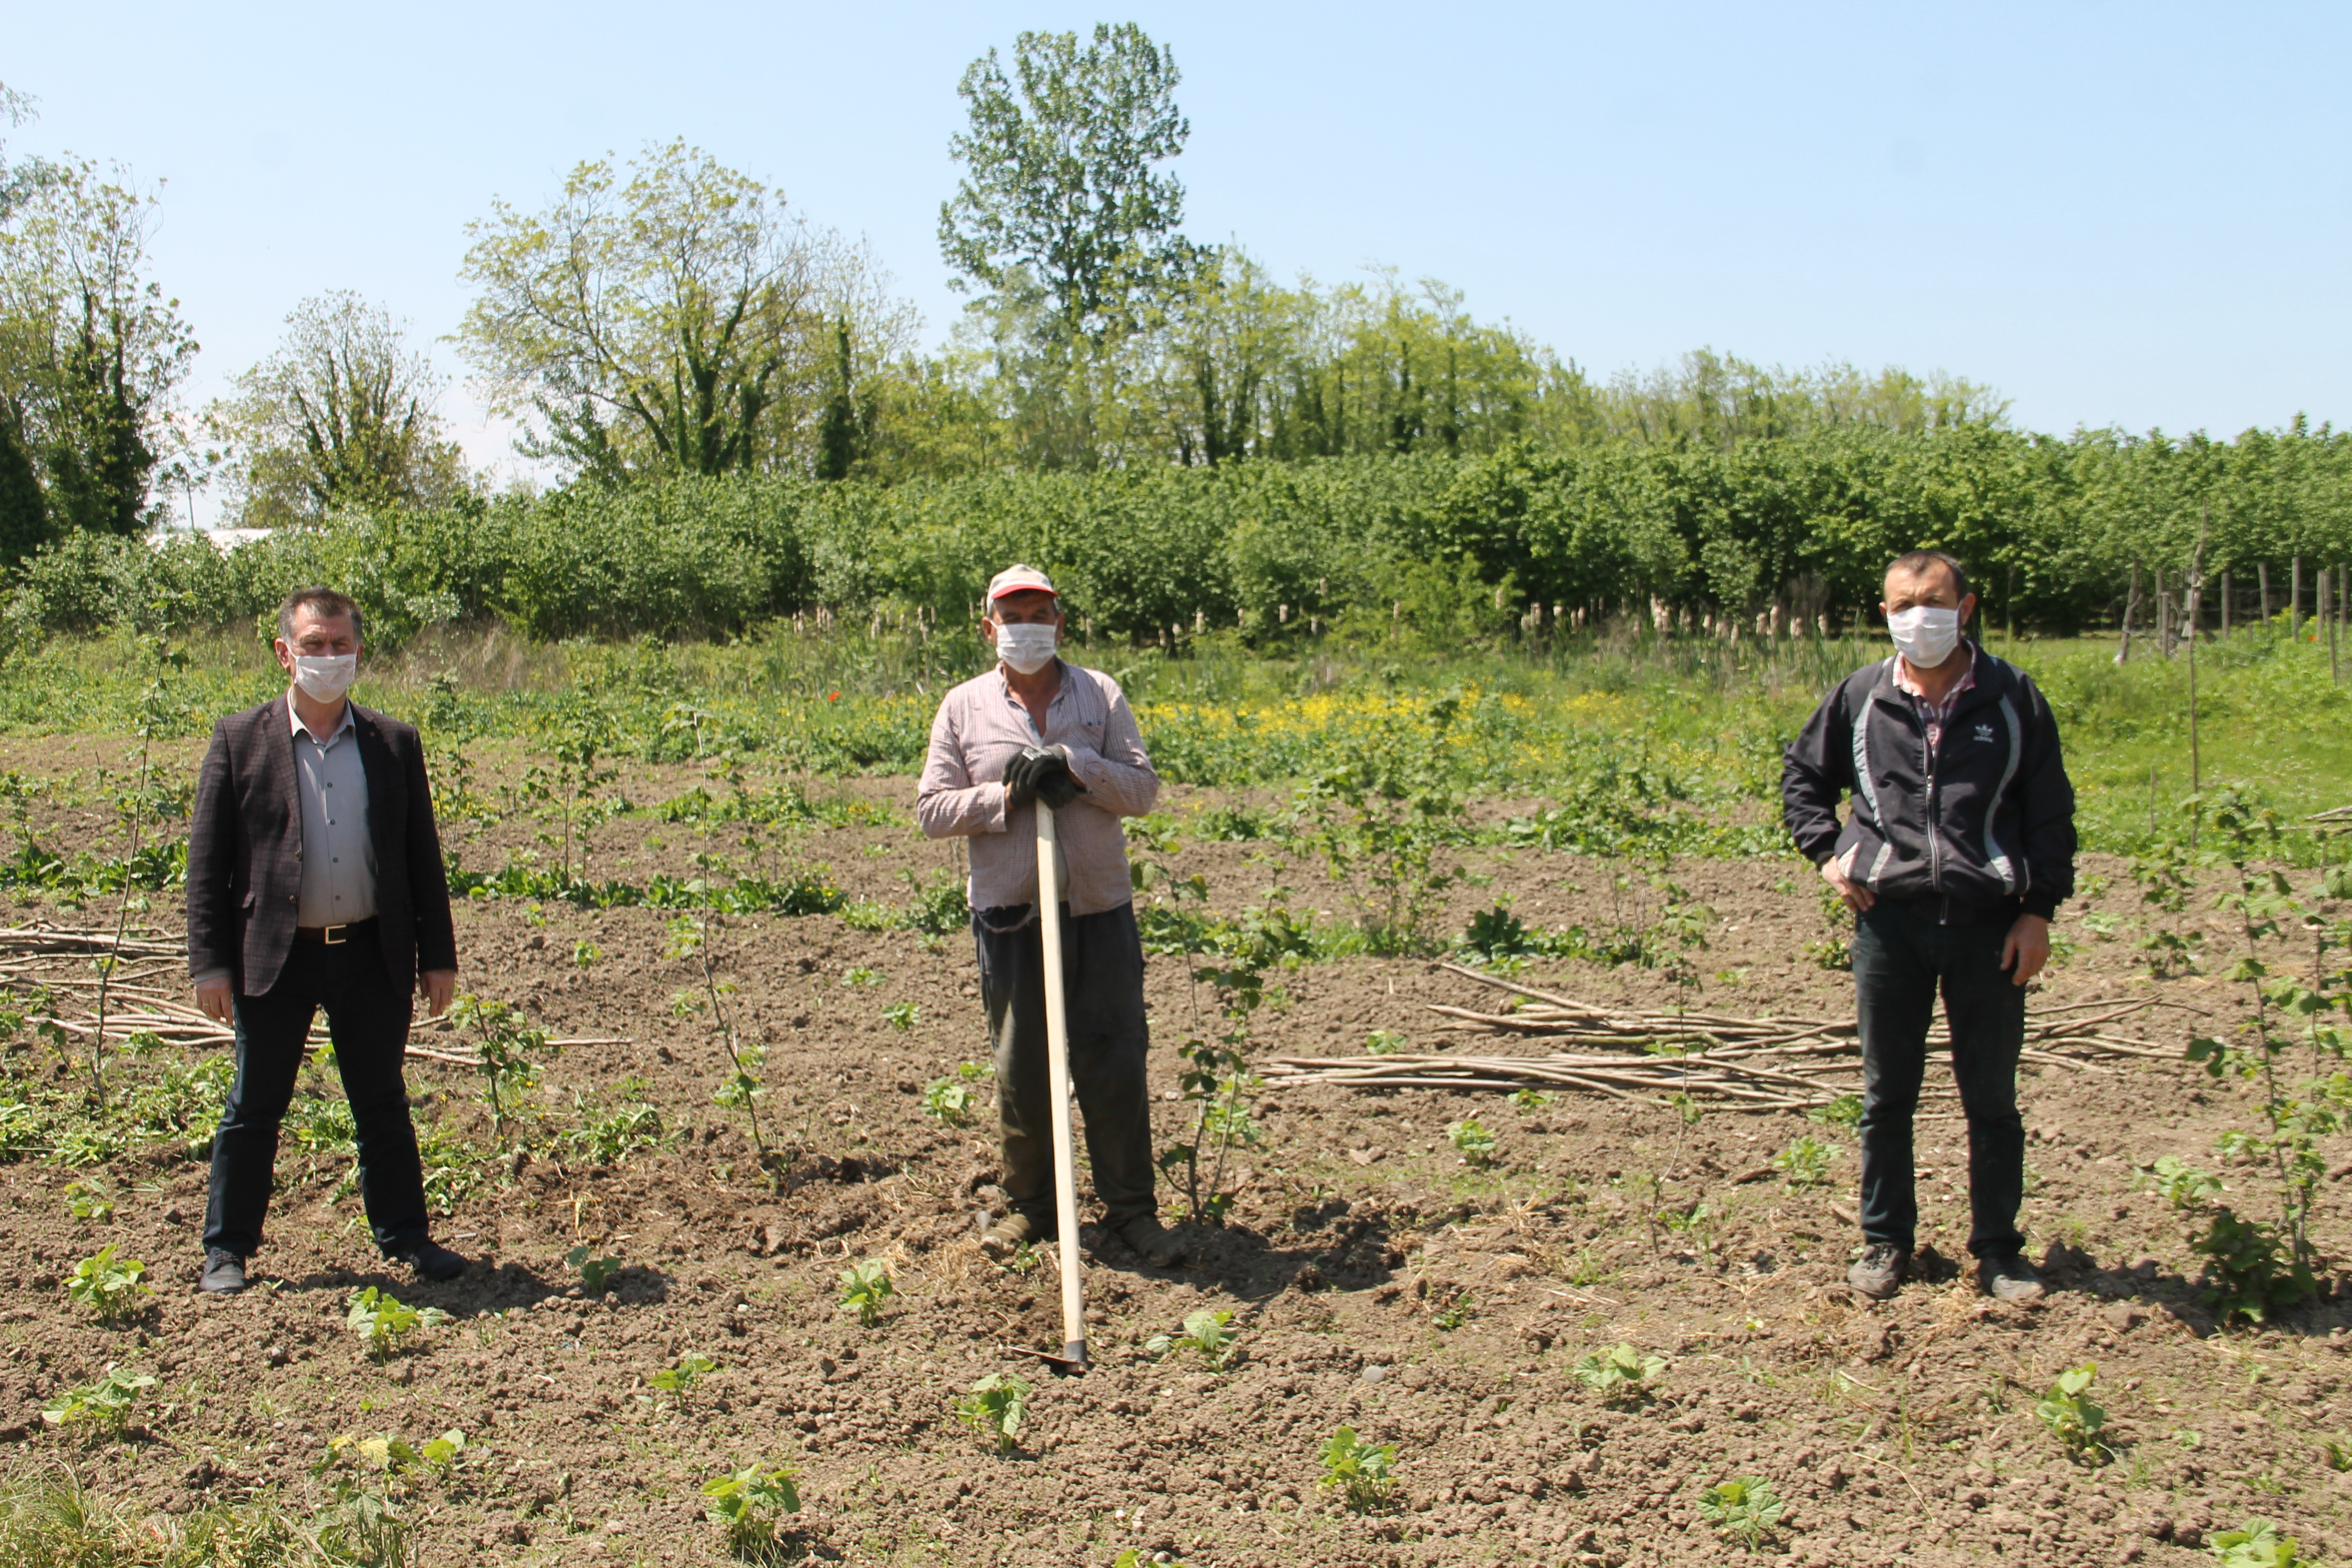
(1927, 750)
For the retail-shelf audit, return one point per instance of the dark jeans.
(368, 1021)
(1900, 955)
(1102, 965)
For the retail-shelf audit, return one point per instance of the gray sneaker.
(2006, 1276)
(1878, 1272)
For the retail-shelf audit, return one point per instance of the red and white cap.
(1019, 579)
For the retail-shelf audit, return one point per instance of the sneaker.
(1009, 1234)
(1878, 1272)
(224, 1272)
(431, 1260)
(2006, 1276)
(1153, 1242)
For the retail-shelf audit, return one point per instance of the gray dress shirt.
(338, 851)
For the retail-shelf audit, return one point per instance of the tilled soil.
(1375, 1279)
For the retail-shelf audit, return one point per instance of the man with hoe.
(315, 880)
(1959, 849)
(1035, 729)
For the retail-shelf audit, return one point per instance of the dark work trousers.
(1102, 964)
(368, 1024)
(1901, 953)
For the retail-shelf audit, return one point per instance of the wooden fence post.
(2294, 600)
(2131, 603)
(2196, 588)
(2225, 603)
(2263, 576)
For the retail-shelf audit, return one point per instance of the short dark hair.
(1917, 562)
(321, 601)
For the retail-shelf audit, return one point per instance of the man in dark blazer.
(315, 880)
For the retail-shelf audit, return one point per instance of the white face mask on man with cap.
(1024, 614)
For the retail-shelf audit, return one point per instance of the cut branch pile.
(1774, 1063)
(147, 993)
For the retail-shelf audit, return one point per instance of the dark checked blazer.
(245, 850)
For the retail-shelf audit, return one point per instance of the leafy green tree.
(678, 321)
(341, 414)
(90, 355)
(1060, 193)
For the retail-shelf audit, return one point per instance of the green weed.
(1359, 1472)
(1473, 1141)
(384, 1324)
(1742, 1509)
(595, 1273)
(1621, 1375)
(751, 1505)
(115, 1289)
(2069, 1413)
(866, 1288)
(1205, 1332)
(1805, 1163)
(103, 1407)
(2257, 1544)
(994, 1407)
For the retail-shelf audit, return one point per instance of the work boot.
(1154, 1243)
(1878, 1272)
(224, 1272)
(430, 1259)
(1009, 1234)
(2006, 1276)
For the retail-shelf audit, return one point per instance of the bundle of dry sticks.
(145, 992)
(1775, 1063)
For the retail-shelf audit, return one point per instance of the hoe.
(1073, 1359)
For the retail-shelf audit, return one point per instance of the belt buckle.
(327, 935)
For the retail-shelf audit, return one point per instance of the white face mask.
(1026, 648)
(325, 677)
(1925, 634)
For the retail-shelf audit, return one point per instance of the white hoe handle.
(1057, 1060)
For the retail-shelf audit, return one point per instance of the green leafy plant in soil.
(1359, 1472)
(1742, 1509)
(101, 1408)
(2070, 1414)
(2257, 1544)
(1805, 1163)
(1218, 1084)
(385, 1324)
(1621, 1375)
(2256, 1268)
(750, 1506)
(596, 1274)
(114, 1288)
(948, 1102)
(678, 1379)
(866, 1288)
(1473, 1141)
(994, 1407)
(509, 1052)
(1207, 1333)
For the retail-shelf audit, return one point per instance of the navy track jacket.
(1984, 825)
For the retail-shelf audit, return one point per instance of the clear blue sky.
(2130, 215)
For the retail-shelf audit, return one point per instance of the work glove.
(1042, 773)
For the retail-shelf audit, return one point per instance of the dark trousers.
(1901, 954)
(1102, 965)
(368, 1021)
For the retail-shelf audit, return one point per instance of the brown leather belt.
(335, 936)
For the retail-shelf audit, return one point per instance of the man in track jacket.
(1957, 850)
